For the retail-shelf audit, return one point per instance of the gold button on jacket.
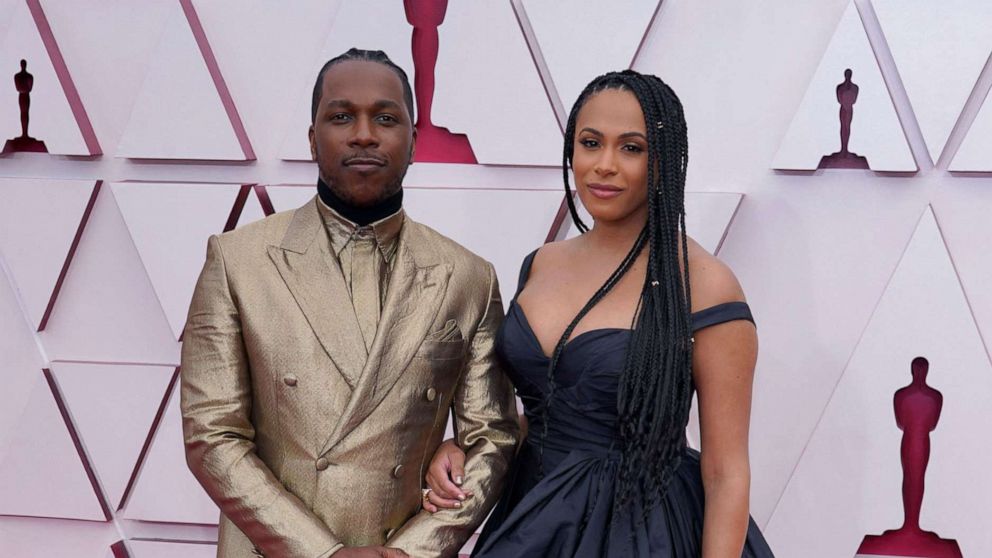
(306, 440)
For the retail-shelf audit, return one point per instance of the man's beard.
(348, 195)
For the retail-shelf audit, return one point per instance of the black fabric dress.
(568, 512)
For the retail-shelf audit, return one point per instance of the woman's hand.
(444, 478)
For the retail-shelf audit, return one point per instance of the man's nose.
(363, 134)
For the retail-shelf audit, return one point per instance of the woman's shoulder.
(551, 254)
(711, 281)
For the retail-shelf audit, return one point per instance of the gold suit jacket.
(304, 443)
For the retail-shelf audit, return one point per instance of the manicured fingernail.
(458, 504)
(461, 497)
(458, 480)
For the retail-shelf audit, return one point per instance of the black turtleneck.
(361, 216)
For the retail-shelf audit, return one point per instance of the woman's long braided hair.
(655, 390)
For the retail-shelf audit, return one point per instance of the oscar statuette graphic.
(24, 82)
(434, 143)
(917, 410)
(847, 95)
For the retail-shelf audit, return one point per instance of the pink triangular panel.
(285, 198)
(107, 309)
(165, 489)
(563, 30)
(963, 214)
(112, 408)
(852, 461)
(41, 455)
(51, 117)
(170, 224)
(29, 537)
(252, 210)
(179, 113)
(39, 220)
(20, 362)
(876, 132)
(169, 549)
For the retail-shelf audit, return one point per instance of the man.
(326, 346)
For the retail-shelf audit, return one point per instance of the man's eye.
(387, 118)
(339, 116)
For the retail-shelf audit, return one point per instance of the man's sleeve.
(216, 406)
(486, 428)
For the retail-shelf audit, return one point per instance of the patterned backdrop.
(167, 121)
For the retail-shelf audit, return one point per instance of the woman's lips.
(604, 191)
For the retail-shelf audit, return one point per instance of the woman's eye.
(588, 143)
(633, 148)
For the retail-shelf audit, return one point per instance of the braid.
(655, 389)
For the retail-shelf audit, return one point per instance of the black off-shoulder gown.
(568, 512)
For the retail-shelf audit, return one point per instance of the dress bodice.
(583, 412)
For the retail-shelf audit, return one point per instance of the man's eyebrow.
(381, 103)
(340, 103)
(387, 103)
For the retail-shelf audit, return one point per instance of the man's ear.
(413, 145)
(313, 144)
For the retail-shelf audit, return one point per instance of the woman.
(605, 350)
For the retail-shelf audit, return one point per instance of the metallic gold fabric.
(343, 233)
(365, 286)
(306, 442)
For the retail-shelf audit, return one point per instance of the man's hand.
(444, 477)
(370, 552)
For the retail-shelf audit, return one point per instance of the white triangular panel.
(112, 407)
(7, 11)
(170, 224)
(370, 25)
(38, 222)
(564, 29)
(962, 212)
(169, 549)
(502, 226)
(285, 198)
(179, 113)
(252, 211)
(165, 490)
(40, 454)
(267, 68)
(107, 310)
(485, 68)
(30, 537)
(939, 48)
(852, 462)
(51, 118)
(20, 362)
(975, 152)
(875, 130)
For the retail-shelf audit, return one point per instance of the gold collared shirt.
(344, 235)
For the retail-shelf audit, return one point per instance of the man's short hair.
(366, 56)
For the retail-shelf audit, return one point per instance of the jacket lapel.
(416, 289)
(320, 291)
